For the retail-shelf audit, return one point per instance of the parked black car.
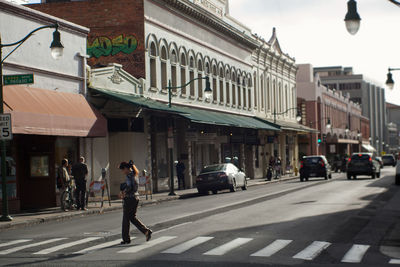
(363, 164)
(389, 160)
(315, 166)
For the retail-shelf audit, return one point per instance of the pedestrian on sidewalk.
(129, 194)
(79, 172)
(63, 178)
(180, 171)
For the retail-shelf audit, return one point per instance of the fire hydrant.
(296, 171)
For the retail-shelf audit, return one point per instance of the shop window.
(39, 166)
(257, 160)
(137, 125)
(118, 125)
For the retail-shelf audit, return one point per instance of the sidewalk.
(55, 214)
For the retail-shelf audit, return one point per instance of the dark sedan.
(220, 177)
(389, 160)
(315, 166)
(363, 164)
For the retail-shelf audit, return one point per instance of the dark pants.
(129, 216)
(80, 193)
(181, 181)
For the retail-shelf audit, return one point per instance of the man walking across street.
(180, 172)
(80, 171)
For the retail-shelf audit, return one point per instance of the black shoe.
(148, 235)
(125, 242)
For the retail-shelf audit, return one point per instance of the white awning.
(368, 147)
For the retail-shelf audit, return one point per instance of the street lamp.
(208, 93)
(352, 19)
(328, 124)
(359, 134)
(298, 114)
(56, 52)
(389, 80)
(347, 130)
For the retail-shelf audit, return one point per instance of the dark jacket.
(79, 171)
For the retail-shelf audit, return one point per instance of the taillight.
(222, 175)
(301, 164)
(349, 159)
(370, 159)
(322, 163)
(199, 179)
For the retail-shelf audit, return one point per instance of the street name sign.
(5, 127)
(18, 79)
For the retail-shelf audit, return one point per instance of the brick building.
(349, 131)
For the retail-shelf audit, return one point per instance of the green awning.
(193, 114)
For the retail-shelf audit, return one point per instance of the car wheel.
(233, 186)
(244, 187)
(397, 180)
(301, 179)
(378, 175)
(307, 179)
(348, 177)
(214, 192)
(373, 176)
(330, 176)
(326, 176)
(355, 177)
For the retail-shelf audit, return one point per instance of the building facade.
(348, 130)
(51, 119)
(174, 42)
(360, 90)
(393, 126)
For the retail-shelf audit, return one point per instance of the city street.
(336, 222)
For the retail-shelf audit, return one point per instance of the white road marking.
(273, 248)
(225, 248)
(100, 246)
(66, 245)
(172, 227)
(14, 242)
(394, 261)
(355, 254)
(15, 249)
(146, 245)
(188, 245)
(312, 251)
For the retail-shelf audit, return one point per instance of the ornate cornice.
(196, 12)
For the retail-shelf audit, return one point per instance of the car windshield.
(360, 157)
(213, 168)
(388, 157)
(312, 160)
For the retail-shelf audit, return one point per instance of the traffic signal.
(319, 141)
(324, 138)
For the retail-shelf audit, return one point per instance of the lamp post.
(298, 115)
(208, 95)
(389, 80)
(56, 52)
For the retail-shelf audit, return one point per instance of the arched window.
(227, 87)
(164, 77)
(153, 66)
(214, 82)
(262, 91)
(200, 76)
(280, 98)
(239, 90)
(183, 73)
(255, 87)
(233, 89)
(288, 103)
(191, 75)
(244, 89)
(275, 97)
(174, 62)
(268, 95)
(249, 86)
(221, 85)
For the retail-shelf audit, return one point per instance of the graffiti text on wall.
(105, 46)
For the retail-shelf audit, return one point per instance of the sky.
(313, 31)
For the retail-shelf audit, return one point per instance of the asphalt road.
(335, 223)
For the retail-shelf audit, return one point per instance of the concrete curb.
(95, 211)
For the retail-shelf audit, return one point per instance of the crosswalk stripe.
(146, 245)
(312, 251)
(100, 246)
(272, 248)
(221, 250)
(66, 245)
(355, 254)
(188, 245)
(15, 249)
(14, 242)
(394, 261)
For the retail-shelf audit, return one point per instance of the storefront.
(47, 127)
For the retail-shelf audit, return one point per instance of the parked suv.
(363, 164)
(315, 166)
(389, 160)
